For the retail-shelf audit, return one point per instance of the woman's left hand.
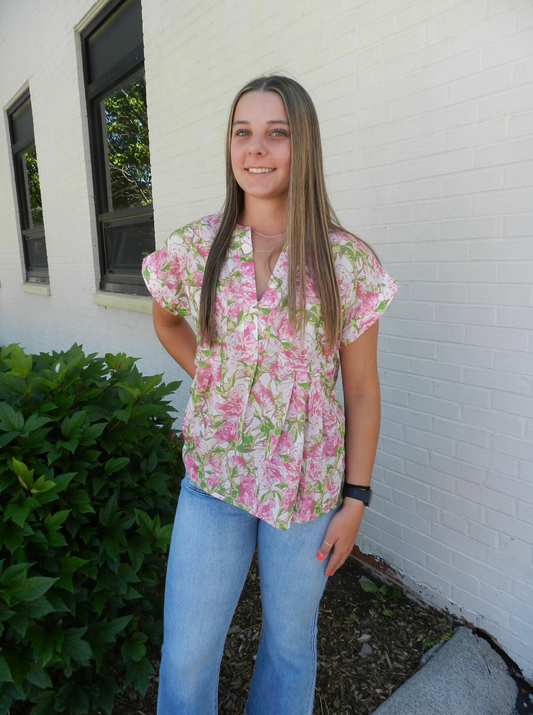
(341, 534)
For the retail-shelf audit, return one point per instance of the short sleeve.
(366, 288)
(164, 273)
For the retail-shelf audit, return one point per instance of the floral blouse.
(263, 428)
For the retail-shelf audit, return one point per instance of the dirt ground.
(368, 645)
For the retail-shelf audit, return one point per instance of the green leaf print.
(267, 427)
(247, 444)
(381, 307)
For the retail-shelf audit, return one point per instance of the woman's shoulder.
(199, 232)
(347, 247)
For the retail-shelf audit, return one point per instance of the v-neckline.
(274, 276)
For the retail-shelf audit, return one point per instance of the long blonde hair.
(310, 216)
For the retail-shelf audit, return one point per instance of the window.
(118, 129)
(28, 190)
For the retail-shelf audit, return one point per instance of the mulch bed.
(351, 623)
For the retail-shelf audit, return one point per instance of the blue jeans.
(213, 543)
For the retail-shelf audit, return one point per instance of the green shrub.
(89, 479)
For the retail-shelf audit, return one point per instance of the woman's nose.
(256, 146)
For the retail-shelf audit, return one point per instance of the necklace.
(266, 250)
(265, 236)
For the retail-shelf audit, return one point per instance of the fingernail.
(320, 557)
(329, 574)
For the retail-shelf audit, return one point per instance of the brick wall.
(426, 116)
(443, 188)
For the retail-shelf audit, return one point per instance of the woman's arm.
(362, 406)
(362, 409)
(176, 336)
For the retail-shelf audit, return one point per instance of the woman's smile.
(253, 170)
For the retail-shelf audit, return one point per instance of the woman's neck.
(268, 217)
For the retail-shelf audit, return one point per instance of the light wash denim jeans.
(213, 543)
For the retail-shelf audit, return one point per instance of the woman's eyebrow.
(270, 121)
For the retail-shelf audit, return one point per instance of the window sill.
(135, 303)
(36, 288)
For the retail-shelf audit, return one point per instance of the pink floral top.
(263, 428)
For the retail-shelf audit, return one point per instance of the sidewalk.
(464, 677)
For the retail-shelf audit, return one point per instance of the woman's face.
(261, 145)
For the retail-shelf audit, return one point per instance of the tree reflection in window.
(33, 188)
(128, 152)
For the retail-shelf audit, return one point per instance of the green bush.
(89, 479)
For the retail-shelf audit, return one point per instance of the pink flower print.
(368, 302)
(158, 261)
(203, 250)
(239, 464)
(330, 417)
(276, 371)
(234, 404)
(191, 467)
(331, 444)
(221, 307)
(249, 345)
(284, 445)
(234, 310)
(314, 453)
(247, 494)
(314, 408)
(216, 465)
(265, 510)
(216, 372)
(285, 329)
(270, 299)
(345, 280)
(203, 378)
(263, 397)
(297, 405)
(227, 432)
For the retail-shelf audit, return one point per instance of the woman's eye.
(241, 133)
(279, 133)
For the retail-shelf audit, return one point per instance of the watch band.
(354, 491)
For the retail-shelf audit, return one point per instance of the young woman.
(279, 292)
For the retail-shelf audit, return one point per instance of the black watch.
(364, 494)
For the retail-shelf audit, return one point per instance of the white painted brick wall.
(427, 119)
(446, 129)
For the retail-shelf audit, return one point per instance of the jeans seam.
(195, 488)
(311, 698)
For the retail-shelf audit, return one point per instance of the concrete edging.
(464, 677)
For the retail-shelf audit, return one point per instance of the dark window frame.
(33, 274)
(111, 281)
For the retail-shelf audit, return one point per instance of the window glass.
(33, 188)
(115, 39)
(22, 123)
(126, 244)
(36, 250)
(129, 175)
(28, 188)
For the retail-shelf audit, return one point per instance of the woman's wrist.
(355, 506)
